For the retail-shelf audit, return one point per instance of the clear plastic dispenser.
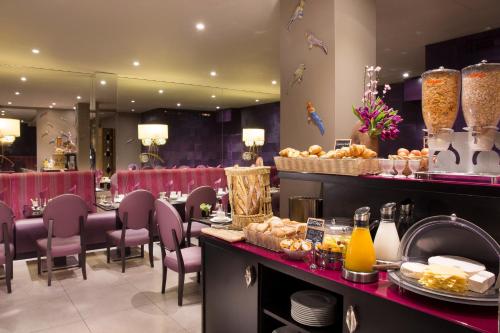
(387, 238)
(360, 254)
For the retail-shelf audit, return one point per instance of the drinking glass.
(414, 165)
(387, 166)
(399, 165)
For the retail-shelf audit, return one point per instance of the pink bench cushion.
(190, 255)
(158, 180)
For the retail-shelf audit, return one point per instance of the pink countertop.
(481, 319)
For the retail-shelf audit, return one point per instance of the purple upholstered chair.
(64, 218)
(136, 215)
(6, 242)
(182, 261)
(202, 194)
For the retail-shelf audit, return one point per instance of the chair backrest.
(138, 205)
(202, 194)
(6, 216)
(168, 219)
(66, 211)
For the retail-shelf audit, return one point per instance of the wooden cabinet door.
(228, 304)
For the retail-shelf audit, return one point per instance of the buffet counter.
(229, 305)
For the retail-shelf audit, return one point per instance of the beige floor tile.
(107, 300)
(37, 313)
(78, 327)
(148, 318)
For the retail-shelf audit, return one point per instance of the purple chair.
(202, 194)
(64, 218)
(201, 166)
(182, 261)
(136, 216)
(7, 237)
(132, 167)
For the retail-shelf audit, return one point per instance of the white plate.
(224, 220)
(313, 299)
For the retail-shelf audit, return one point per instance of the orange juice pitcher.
(360, 254)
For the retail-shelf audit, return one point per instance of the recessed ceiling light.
(257, 100)
(217, 107)
(53, 103)
(213, 96)
(200, 26)
(103, 82)
(136, 63)
(178, 104)
(23, 78)
(213, 73)
(160, 91)
(74, 107)
(10, 103)
(274, 82)
(17, 93)
(132, 101)
(133, 110)
(22, 121)
(78, 97)
(406, 74)
(50, 106)
(35, 51)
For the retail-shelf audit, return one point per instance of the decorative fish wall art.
(312, 116)
(298, 14)
(298, 76)
(313, 41)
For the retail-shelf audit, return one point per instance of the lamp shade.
(253, 136)
(10, 127)
(152, 133)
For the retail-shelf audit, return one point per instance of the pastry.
(321, 153)
(356, 150)
(304, 153)
(345, 152)
(425, 152)
(313, 156)
(293, 153)
(416, 153)
(278, 232)
(368, 153)
(284, 152)
(329, 154)
(403, 152)
(262, 227)
(315, 149)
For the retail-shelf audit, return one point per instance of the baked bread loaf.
(315, 150)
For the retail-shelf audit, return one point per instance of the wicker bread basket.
(249, 194)
(344, 166)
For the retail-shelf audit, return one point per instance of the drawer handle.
(250, 275)
(350, 319)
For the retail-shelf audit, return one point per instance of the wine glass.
(399, 165)
(414, 165)
(387, 166)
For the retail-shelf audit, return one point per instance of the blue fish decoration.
(314, 117)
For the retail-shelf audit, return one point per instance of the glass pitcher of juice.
(360, 254)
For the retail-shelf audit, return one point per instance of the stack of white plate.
(313, 308)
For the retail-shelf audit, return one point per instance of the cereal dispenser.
(481, 104)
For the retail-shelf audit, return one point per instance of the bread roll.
(425, 152)
(312, 156)
(321, 153)
(345, 152)
(293, 153)
(253, 226)
(262, 227)
(368, 153)
(416, 153)
(284, 152)
(403, 152)
(315, 149)
(329, 154)
(278, 232)
(356, 150)
(304, 153)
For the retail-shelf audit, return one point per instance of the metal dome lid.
(450, 235)
(483, 66)
(440, 70)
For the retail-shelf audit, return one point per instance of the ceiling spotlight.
(103, 82)
(74, 107)
(213, 73)
(53, 103)
(217, 107)
(257, 100)
(132, 101)
(274, 82)
(50, 106)
(35, 51)
(160, 91)
(133, 110)
(10, 103)
(213, 96)
(200, 26)
(178, 104)
(136, 63)
(17, 93)
(23, 78)
(78, 97)
(22, 121)
(406, 75)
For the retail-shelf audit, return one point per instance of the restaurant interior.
(250, 166)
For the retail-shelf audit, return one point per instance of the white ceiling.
(404, 27)
(240, 42)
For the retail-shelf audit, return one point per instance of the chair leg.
(142, 251)
(39, 262)
(151, 258)
(8, 274)
(83, 265)
(12, 269)
(164, 279)
(198, 279)
(49, 270)
(108, 254)
(180, 289)
(122, 253)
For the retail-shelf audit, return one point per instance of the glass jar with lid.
(481, 103)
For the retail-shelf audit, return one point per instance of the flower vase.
(371, 142)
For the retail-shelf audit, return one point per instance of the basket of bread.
(270, 233)
(353, 160)
(296, 248)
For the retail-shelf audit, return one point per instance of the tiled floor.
(108, 301)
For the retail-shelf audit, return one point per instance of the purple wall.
(196, 139)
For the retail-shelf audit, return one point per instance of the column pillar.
(83, 135)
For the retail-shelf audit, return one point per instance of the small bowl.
(296, 255)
